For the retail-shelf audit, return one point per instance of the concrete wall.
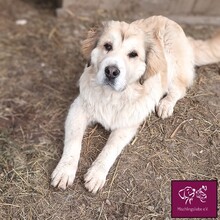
(201, 9)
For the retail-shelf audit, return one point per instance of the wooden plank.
(207, 7)
(154, 7)
(214, 8)
(145, 7)
(181, 6)
(201, 6)
(196, 20)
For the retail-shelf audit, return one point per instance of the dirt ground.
(40, 63)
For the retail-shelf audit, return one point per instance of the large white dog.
(132, 69)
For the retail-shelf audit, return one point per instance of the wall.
(188, 10)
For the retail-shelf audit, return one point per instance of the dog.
(201, 195)
(132, 70)
(187, 194)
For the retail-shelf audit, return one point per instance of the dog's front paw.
(95, 178)
(64, 174)
(165, 108)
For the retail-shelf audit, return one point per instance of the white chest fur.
(115, 109)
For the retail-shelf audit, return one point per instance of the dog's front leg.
(96, 175)
(76, 122)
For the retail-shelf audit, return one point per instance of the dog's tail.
(206, 51)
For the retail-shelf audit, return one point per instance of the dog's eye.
(133, 54)
(108, 46)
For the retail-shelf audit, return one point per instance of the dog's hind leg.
(180, 68)
(180, 77)
(166, 105)
(183, 78)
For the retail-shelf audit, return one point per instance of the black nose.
(112, 72)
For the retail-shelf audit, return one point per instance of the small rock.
(168, 200)
(108, 202)
(43, 64)
(21, 22)
(150, 208)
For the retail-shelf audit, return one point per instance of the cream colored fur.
(164, 65)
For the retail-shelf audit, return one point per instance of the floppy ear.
(155, 60)
(91, 41)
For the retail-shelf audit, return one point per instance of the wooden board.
(164, 7)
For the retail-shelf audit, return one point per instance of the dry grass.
(40, 65)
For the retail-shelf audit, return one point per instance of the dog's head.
(121, 54)
(187, 192)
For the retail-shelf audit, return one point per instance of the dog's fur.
(132, 68)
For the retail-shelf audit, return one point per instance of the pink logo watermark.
(194, 199)
(188, 194)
